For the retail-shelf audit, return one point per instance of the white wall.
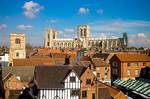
(4, 60)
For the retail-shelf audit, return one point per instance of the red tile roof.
(32, 62)
(99, 62)
(47, 52)
(113, 91)
(85, 58)
(133, 57)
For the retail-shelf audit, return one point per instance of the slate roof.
(101, 55)
(48, 77)
(25, 73)
(140, 87)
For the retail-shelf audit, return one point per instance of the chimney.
(67, 60)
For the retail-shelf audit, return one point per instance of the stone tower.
(84, 33)
(50, 35)
(17, 46)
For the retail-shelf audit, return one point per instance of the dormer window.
(72, 79)
(17, 41)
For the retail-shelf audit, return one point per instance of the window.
(17, 41)
(53, 36)
(128, 64)
(114, 71)
(17, 54)
(84, 32)
(128, 72)
(72, 79)
(98, 74)
(48, 36)
(105, 76)
(88, 81)
(47, 43)
(115, 64)
(136, 72)
(84, 94)
(81, 32)
(93, 96)
(144, 64)
(75, 92)
(106, 68)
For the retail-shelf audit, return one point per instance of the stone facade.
(17, 46)
(83, 40)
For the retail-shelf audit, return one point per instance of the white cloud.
(24, 27)
(100, 11)
(139, 29)
(139, 39)
(31, 9)
(68, 30)
(2, 26)
(60, 32)
(142, 35)
(83, 10)
(53, 20)
(113, 26)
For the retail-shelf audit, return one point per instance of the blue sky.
(107, 18)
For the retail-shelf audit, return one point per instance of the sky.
(107, 19)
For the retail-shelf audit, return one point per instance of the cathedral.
(83, 40)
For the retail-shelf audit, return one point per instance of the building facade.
(4, 59)
(83, 40)
(17, 46)
(102, 70)
(128, 66)
(58, 82)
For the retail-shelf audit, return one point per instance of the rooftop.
(99, 62)
(133, 57)
(53, 76)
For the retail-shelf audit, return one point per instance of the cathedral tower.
(50, 35)
(83, 31)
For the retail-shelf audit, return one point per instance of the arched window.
(17, 41)
(54, 36)
(48, 36)
(81, 31)
(84, 32)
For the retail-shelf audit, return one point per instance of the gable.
(13, 83)
(72, 74)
